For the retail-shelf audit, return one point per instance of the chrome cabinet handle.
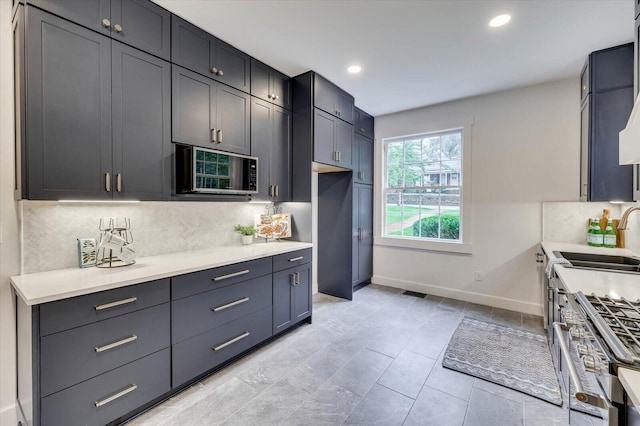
(214, 70)
(339, 156)
(277, 192)
(362, 129)
(114, 304)
(219, 135)
(235, 274)
(117, 28)
(106, 23)
(119, 182)
(581, 395)
(228, 305)
(220, 73)
(107, 182)
(295, 259)
(213, 135)
(131, 338)
(361, 233)
(227, 343)
(297, 278)
(270, 190)
(292, 278)
(116, 396)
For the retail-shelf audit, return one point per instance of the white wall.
(525, 150)
(9, 248)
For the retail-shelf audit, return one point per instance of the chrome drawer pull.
(132, 338)
(114, 304)
(235, 339)
(235, 274)
(116, 396)
(228, 305)
(295, 259)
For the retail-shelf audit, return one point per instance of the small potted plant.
(247, 233)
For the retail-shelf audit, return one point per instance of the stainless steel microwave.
(201, 170)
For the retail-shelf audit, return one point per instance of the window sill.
(451, 247)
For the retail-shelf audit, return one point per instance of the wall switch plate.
(478, 276)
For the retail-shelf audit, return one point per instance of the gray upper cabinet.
(270, 84)
(333, 140)
(199, 51)
(363, 160)
(363, 123)
(68, 134)
(86, 103)
(209, 114)
(271, 143)
(330, 98)
(141, 120)
(139, 23)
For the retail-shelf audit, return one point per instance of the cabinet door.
(355, 235)
(324, 137)
(233, 111)
(234, 66)
(283, 316)
(585, 132)
(364, 159)
(260, 79)
(365, 220)
(192, 47)
(324, 95)
(344, 143)
(88, 13)
(142, 24)
(261, 143)
(363, 123)
(344, 105)
(193, 115)
(302, 293)
(281, 167)
(281, 87)
(141, 93)
(69, 109)
(610, 181)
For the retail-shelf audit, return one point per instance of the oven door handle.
(581, 395)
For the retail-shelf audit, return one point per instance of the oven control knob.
(586, 349)
(578, 333)
(570, 317)
(592, 363)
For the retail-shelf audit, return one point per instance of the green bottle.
(595, 237)
(610, 235)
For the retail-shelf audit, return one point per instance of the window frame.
(463, 246)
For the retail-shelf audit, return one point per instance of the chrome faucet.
(625, 217)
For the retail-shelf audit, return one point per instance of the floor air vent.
(414, 294)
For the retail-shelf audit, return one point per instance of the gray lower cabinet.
(362, 234)
(107, 397)
(139, 23)
(209, 114)
(271, 132)
(291, 296)
(86, 100)
(99, 358)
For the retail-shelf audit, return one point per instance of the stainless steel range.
(603, 334)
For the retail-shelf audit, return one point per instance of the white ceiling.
(417, 53)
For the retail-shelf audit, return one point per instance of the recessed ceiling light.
(499, 20)
(354, 69)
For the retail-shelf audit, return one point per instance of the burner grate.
(622, 317)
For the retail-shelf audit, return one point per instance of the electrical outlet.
(478, 276)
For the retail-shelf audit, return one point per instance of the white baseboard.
(8, 415)
(467, 296)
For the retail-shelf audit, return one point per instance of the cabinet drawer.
(289, 260)
(77, 405)
(202, 312)
(75, 355)
(68, 313)
(197, 355)
(197, 282)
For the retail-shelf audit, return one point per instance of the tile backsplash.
(567, 221)
(50, 229)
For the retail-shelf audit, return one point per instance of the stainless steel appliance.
(594, 337)
(200, 170)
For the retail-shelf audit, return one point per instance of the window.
(423, 194)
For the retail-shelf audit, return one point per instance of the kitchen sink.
(601, 261)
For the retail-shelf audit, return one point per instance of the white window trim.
(463, 247)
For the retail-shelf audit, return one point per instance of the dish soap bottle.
(595, 237)
(610, 235)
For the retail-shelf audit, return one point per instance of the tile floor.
(375, 360)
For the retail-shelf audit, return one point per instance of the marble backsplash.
(567, 221)
(50, 229)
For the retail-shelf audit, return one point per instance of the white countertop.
(615, 284)
(64, 283)
(630, 379)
